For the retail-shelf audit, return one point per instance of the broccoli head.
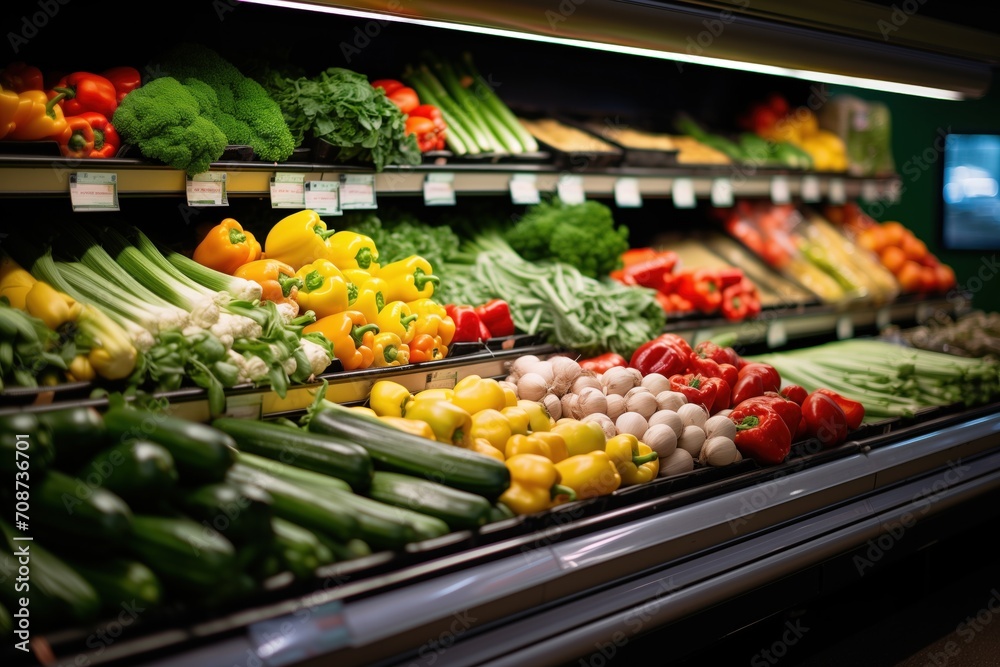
(245, 111)
(583, 235)
(163, 119)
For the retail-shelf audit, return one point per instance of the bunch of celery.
(889, 379)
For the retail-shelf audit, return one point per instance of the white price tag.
(357, 191)
(810, 189)
(93, 191)
(776, 334)
(883, 317)
(438, 190)
(323, 197)
(627, 193)
(836, 193)
(845, 327)
(722, 193)
(523, 189)
(446, 379)
(244, 406)
(207, 189)
(869, 191)
(779, 190)
(288, 191)
(570, 189)
(682, 192)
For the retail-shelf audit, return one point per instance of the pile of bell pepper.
(375, 315)
(769, 416)
(708, 291)
(423, 120)
(480, 323)
(75, 111)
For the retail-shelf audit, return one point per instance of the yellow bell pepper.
(351, 250)
(452, 425)
(475, 393)
(365, 293)
(299, 239)
(518, 418)
(581, 437)
(534, 484)
(483, 446)
(635, 461)
(15, 282)
(38, 117)
(511, 397)
(227, 247)
(409, 279)
(435, 394)
(51, 306)
(80, 369)
(324, 288)
(350, 335)
(388, 398)
(432, 319)
(363, 410)
(539, 418)
(590, 475)
(555, 442)
(530, 444)
(492, 426)
(10, 102)
(414, 426)
(396, 317)
(111, 354)
(389, 350)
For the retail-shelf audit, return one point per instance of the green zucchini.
(120, 581)
(241, 512)
(78, 434)
(301, 550)
(500, 512)
(395, 450)
(459, 509)
(313, 451)
(349, 550)
(68, 506)
(201, 453)
(299, 476)
(138, 471)
(36, 448)
(182, 551)
(300, 505)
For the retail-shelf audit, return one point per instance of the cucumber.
(459, 509)
(301, 550)
(240, 512)
(308, 479)
(78, 434)
(70, 507)
(183, 552)
(138, 471)
(395, 450)
(300, 505)
(313, 451)
(349, 550)
(201, 453)
(37, 449)
(120, 581)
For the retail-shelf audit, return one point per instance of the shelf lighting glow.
(806, 75)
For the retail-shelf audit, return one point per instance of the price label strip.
(357, 191)
(810, 189)
(869, 191)
(682, 193)
(722, 193)
(439, 190)
(836, 193)
(779, 190)
(93, 191)
(523, 189)
(207, 189)
(303, 634)
(776, 334)
(323, 197)
(845, 327)
(570, 189)
(627, 193)
(288, 190)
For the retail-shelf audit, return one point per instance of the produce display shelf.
(35, 175)
(548, 588)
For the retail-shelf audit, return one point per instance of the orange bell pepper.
(227, 247)
(79, 141)
(10, 101)
(352, 337)
(433, 319)
(425, 347)
(37, 118)
(277, 279)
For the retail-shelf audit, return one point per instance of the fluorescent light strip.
(821, 77)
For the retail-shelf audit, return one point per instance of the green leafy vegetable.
(399, 234)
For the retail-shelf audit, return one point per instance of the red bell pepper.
(106, 139)
(667, 354)
(713, 393)
(388, 85)
(603, 362)
(85, 91)
(78, 142)
(125, 79)
(746, 387)
(794, 392)
(636, 255)
(701, 288)
(425, 132)
(655, 272)
(761, 433)
(495, 314)
(825, 420)
(707, 349)
(853, 410)
(768, 374)
(20, 77)
(433, 114)
(789, 411)
(740, 301)
(468, 326)
(729, 276)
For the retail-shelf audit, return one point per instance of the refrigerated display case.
(587, 580)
